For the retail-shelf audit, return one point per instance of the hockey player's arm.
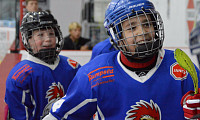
(190, 101)
(79, 102)
(19, 101)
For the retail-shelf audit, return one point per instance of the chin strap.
(147, 50)
(47, 55)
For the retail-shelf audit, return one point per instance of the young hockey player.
(35, 83)
(142, 81)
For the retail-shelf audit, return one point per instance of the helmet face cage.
(151, 35)
(148, 46)
(30, 34)
(48, 55)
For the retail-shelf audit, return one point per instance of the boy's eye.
(51, 34)
(40, 34)
(146, 25)
(131, 28)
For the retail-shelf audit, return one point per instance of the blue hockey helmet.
(119, 11)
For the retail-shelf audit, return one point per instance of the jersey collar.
(38, 61)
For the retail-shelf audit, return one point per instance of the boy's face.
(75, 33)
(42, 39)
(32, 6)
(137, 31)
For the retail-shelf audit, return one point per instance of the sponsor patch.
(177, 72)
(72, 63)
(21, 74)
(102, 75)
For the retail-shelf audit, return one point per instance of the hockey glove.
(191, 104)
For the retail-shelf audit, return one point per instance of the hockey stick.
(185, 62)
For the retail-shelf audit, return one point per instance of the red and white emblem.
(53, 94)
(177, 72)
(144, 111)
(72, 63)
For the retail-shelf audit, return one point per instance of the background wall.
(173, 12)
(176, 15)
(66, 11)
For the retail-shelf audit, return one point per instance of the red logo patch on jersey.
(56, 91)
(144, 111)
(72, 63)
(177, 72)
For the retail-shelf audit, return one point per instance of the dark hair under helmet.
(38, 21)
(119, 11)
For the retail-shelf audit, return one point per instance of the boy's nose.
(139, 31)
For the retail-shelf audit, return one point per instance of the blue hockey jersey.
(33, 86)
(116, 93)
(102, 47)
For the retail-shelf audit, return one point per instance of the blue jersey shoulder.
(106, 59)
(69, 62)
(24, 71)
(20, 75)
(102, 47)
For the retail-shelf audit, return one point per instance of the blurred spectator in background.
(74, 41)
(32, 5)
